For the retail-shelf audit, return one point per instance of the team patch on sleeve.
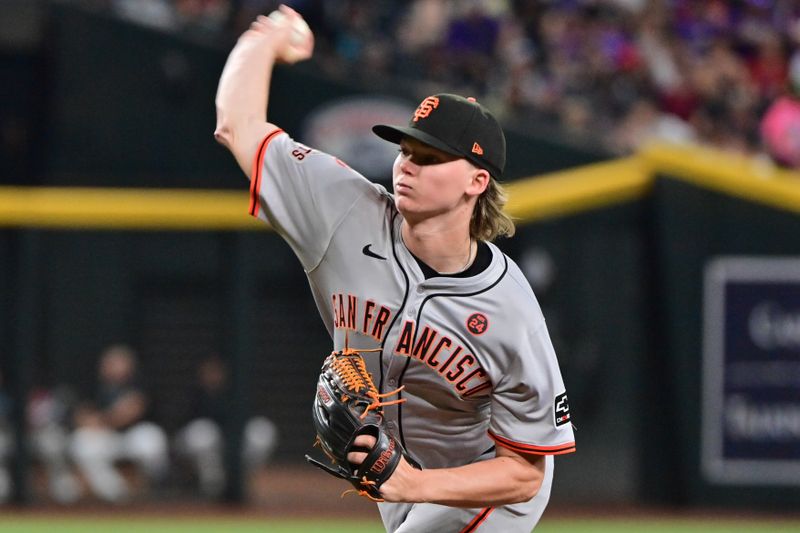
(561, 409)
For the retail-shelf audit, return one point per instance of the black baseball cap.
(456, 125)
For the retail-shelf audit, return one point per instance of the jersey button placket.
(411, 308)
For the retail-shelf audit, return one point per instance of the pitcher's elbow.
(226, 123)
(527, 489)
(223, 134)
(530, 491)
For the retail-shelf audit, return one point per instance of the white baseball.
(300, 35)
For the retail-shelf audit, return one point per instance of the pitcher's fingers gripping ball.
(297, 40)
(347, 404)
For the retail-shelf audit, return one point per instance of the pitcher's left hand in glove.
(346, 405)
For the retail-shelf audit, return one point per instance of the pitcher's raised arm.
(243, 91)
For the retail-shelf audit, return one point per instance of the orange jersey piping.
(560, 449)
(258, 168)
(478, 520)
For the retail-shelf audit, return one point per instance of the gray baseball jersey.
(473, 353)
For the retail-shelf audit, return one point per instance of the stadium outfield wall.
(625, 256)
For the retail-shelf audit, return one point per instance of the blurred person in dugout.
(47, 438)
(114, 428)
(202, 439)
(6, 441)
(48, 413)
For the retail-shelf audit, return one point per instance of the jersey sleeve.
(530, 412)
(303, 193)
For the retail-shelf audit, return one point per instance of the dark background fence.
(106, 103)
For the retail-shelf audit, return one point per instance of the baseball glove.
(347, 404)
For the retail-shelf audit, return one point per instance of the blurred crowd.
(108, 445)
(619, 72)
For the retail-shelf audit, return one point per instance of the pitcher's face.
(429, 182)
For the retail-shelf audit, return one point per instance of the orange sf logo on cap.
(426, 107)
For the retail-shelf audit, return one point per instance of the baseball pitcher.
(442, 399)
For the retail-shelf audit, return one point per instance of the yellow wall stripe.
(570, 191)
(736, 175)
(546, 196)
(143, 209)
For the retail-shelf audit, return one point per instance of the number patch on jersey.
(477, 323)
(561, 409)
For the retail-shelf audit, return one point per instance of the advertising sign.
(343, 128)
(751, 371)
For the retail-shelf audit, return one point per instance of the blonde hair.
(488, 219)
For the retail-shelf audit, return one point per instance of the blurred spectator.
(6, 441)
(114, 428)
(202, 439)
(780, 126)
(644, 124)
(155, 13)
(470, 44)
(208, 16)
(47, 436)
(768, 68)
(423, 25)
(710, 67)
(691, 69)
(47, 413)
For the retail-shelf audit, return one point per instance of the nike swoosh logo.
(369, 253)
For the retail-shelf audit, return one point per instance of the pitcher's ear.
(479, 182)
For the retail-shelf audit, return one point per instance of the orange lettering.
(380, 321)
(432, 362)
(406, 336)
(424, 343)
(426, 107)
(367, 315)
(467, 360)
(335, 314)
(352, 305)
(341, 311)
(450, 359)
(477, 373)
